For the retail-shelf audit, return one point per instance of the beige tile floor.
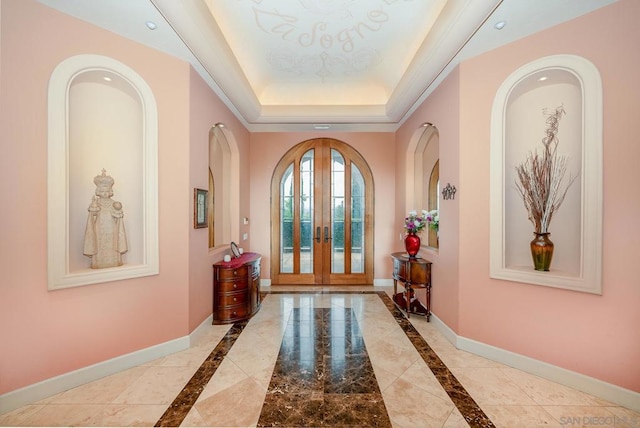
(413, 397)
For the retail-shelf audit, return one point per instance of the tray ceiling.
(283, 65)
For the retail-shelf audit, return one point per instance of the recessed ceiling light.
(543, 78)
(500, 25)
(107, 78)
(151, 25)
(321, 127)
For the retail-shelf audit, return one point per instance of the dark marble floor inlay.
(178, 410)
(323, 375)
(467, 406)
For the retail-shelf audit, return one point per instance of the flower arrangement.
(433, 218)
(540, 178)
(414, 222)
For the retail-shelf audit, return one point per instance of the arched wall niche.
(517, 128)
(224, 187)
(102, 115)
(423, 154)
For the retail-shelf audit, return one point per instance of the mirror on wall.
(219, 187)
(426, 177)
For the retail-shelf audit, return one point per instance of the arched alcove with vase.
(558, 96)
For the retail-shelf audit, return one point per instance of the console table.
(236, 288)
(413, 273)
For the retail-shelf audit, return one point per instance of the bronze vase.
(541, 251)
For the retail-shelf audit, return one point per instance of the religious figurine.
(105, 240)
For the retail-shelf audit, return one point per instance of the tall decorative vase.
(541, 251)
(412, 244)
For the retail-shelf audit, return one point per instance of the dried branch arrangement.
(541, 177)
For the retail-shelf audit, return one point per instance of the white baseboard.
(447, 332)
(55, 385)
(606, 391)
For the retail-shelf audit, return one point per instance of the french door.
(322, 216)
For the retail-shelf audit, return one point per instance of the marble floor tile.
(545, 392)
(123, 415)
(422, 377)
(19, 416)
(236, 406)
(323, 356)
(72, 415)
(412, 406)
(584, 416)
(520, 416)
(101, 391)
(323, 375)
(491, 387)
(157, 385)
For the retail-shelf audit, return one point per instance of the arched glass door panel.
(321, 232)
(358, 237)
(287, 219)
(337, 212)
(306, 212)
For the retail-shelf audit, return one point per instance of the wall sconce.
(449, 192)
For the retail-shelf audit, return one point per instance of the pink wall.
(590, 334)
(593, 335)
(376, 148)
(442, 110)
(205, 110)
(45, 333)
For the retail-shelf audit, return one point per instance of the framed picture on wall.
(199, 208)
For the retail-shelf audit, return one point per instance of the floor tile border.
(182, 404)
(471, 412)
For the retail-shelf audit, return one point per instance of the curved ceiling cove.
(339, 61)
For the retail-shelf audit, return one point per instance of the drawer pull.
(235, 285)
(235, 299)
(235, 273)
(235, 313)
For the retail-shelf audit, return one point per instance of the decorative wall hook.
(449, 192)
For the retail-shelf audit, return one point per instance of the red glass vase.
(412, 244)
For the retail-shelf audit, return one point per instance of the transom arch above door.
(322, 215)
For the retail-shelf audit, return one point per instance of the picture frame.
(200, 208)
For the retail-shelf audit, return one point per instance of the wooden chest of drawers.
(236, 288)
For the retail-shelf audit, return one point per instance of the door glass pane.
(337, 212)
(306, 213)
(357, 220)
(286, 221)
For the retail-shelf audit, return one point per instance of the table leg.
(407, 298)
(428, 301)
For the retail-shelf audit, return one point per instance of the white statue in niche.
(105, 240)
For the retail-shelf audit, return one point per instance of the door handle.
(318, 234)
(326, 234)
